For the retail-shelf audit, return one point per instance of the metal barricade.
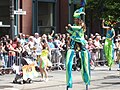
(101, 60)
(17, 60)
(7, 62)
(98, 57)
(56, 58)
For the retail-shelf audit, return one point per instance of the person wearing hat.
(78, 28)
(109, 43)
(50, 42)
(78, 43)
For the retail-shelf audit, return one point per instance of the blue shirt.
(51, 45)
(109, 33)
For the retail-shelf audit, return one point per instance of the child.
(44, 61)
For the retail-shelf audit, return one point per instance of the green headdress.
(79, 12)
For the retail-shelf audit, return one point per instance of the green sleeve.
(76, 27)
(70, 31)
(73, 29)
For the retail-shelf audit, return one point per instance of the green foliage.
(104, 9)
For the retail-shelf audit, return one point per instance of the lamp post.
(12, 31)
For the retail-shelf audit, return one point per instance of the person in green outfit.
(109, 43)
(78, 43)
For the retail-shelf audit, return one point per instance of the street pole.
(17, 22)
(12, 31)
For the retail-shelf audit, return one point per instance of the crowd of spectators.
(10, 49)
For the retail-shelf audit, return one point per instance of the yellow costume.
(44, 61)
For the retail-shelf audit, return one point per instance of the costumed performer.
(109, 43)
(77, 43)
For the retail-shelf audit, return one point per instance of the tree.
(107, 9)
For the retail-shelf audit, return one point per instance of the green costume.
(77, 36)
(108, 48)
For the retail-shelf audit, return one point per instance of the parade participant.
(92, 52)
(77, 43)
(44, 61)
(109, 42)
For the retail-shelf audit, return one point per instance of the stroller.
(25, 71)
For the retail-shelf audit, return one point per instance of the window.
(45, 17)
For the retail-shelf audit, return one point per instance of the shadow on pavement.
(113, 83)
(5, 86)
(112, 77)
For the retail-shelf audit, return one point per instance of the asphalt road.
(101, 79)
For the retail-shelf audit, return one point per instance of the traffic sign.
(20, 12)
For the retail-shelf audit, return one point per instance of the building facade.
(43, 16)
(4, 17)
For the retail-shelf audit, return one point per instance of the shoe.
(42, 79)
(118, 69)
(92, 67)
(46, 80)
(110, 69)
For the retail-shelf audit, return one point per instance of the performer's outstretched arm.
(103, 25)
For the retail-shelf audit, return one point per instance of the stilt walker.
(78, 43)
(109, 44)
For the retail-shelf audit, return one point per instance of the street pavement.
(101, 79)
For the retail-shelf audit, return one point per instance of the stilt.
(86, 87)
(67, 88)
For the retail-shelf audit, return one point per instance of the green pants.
(108, 48)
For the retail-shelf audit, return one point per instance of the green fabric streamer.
(69, 62)
(85, 66)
